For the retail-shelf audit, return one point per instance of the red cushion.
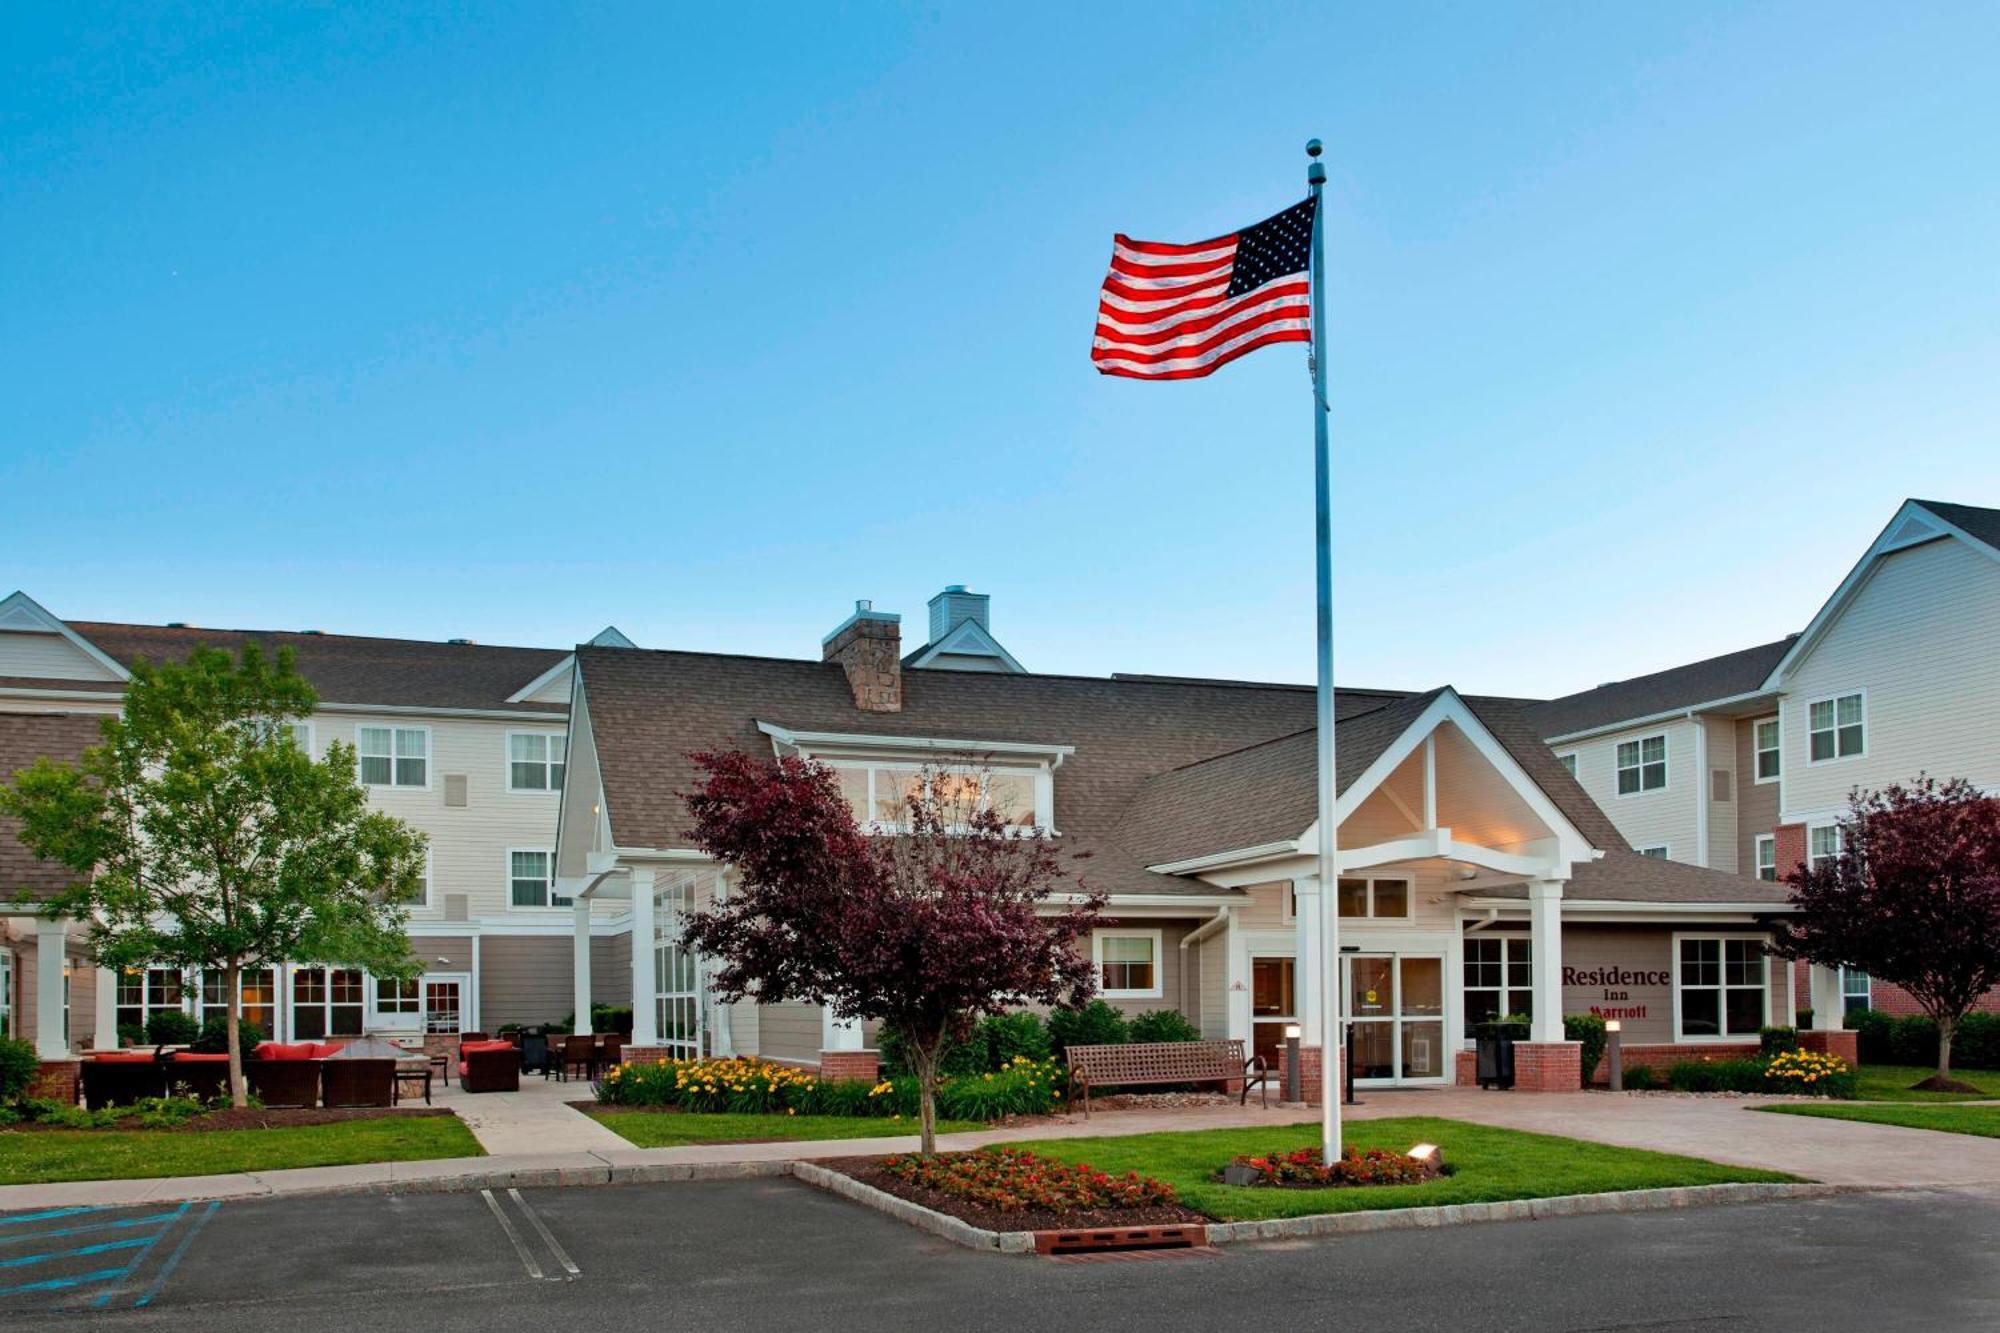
(123, 1057)
(200, 1058)
(485, 1046)
(278, 1050)
(323, 1049)
(463, 1069)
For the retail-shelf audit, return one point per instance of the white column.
(1306, 964)
(581, 966)
(49, 939)
(645, 984)
(104, 1033)
(838, 1034)
(1545, 942)
(1237, 982)
(1829, 1006)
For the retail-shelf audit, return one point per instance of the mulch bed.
(250, 1118)
(868, 1170)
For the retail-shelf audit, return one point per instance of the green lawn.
(671, 1129)
(1891, 1083)
(34, 1157)
(1981, 1120)
(1488, 1164)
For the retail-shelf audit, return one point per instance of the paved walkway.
(533, 1133)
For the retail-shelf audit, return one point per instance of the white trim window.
(531, 878)
(1721, 987)
(1658, 853)
(879, 793)
(399, 1001)
(257, 996)
(393, 756)
(1836, 728)
(1767, 857)
(327, 1002)
(1766, 744)
(1856, 990)
(1128, 964)
(6, 992)
(142, 992)
(1823, 844)
(1360, 899)
(1642, 765)
(1568, 761)
(536, 760)
(1499, 977)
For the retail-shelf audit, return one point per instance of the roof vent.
(177, 624)
(463, 641)
(312, 631)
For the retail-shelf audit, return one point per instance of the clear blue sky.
(512, 322)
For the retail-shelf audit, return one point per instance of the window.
(1834, 728)
(1498, 978)
(394, 756)
(1719, 987)
(422, 896)
(879, 794)
(1128, 964)
(1854, 991)
(530, 879)
(1568, 761)
(395, 995)
(1767, 857)
(257, 990)
(1823, 844)
(6, 992)
(1764, 740)
(1642, 765)
(535, 761)
(143, 992)
(326, 1002)
(1373, 898)
(1657, 853)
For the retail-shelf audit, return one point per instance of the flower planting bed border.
(1315, 1224)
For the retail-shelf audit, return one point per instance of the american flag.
(1175, 312)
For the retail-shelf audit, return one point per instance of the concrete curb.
(549, 1177)
(1338, 1224)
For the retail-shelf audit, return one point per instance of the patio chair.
(284, 1082)
(579, 1053)
(611, 1052)
(489, 1066)
(119, 1079)
(204, 1077)
(534, 1053)
(362, 1082)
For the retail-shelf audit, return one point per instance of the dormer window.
(879, 793)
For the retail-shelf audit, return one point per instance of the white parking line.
(520, 1248)
(535, 1220)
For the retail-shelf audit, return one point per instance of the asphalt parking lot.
(729, 1255)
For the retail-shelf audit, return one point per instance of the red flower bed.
(1016, 1181)
(1376, 1166)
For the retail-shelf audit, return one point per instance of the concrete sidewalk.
(535, 1138)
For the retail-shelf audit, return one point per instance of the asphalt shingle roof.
(1973, 520)
(1740, 672)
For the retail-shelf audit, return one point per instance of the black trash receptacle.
(1494, 1052)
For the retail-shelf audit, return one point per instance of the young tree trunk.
(924, 1059)
(1947, 1028)
(239, 1092)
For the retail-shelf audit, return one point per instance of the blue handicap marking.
(84, 1247)
(102, 1247)
(46, 1214)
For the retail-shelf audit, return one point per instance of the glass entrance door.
(444, 1010)
(1273, 1004)
(1396, 1004)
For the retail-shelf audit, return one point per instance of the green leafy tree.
(203, 837)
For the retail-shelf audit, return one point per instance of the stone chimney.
(954, 606)
(869, 647)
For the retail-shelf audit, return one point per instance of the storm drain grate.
(1100, 1240)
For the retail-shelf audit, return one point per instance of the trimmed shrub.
(1771, 1041)
(1812, 1072)
(1977, 1045)
(18, 1066)
(171, 1027)
(1588, 1029)
(1162, 1025)
(1004, 1036)
(1024, 1087)
(1095, 1024)
(955, 1057)
(214, 1036)
(131, 1034)
(1642, 1078)
(1716, 1076)
(1873, 1030)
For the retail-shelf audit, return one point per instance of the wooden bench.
(1138, 1063)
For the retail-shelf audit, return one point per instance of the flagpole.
(1328, 981)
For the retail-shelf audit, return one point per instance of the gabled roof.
(24, 738)
(1627, 877)
(350, 669)
(1726, 677)
(968, 638)
(1982, 525)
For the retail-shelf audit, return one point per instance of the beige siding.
(1648, 819)
(1268, 908)
(525, 979)
(1647, 949)
(1723, 790)
(610, 968)
(789, 1031)
(1756, 802)
(1921, 637)
(1171, 933)
(744, 1025)
(1214, 1018)
(48, 657)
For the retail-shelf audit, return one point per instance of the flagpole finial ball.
(1312, 148)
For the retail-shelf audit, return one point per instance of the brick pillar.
(1548, 1066)
(1466, 1072)
(58, 1081)
(646, 1055)
(865, 1065)
(1309, 1073)
(1842, 1042)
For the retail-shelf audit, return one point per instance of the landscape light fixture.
(1292, 1033)
(1614, 1053)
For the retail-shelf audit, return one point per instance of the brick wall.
(850, 1065)
(1846, 1045)
(1548, 1066)
(58, 1081)
(1658, 1055)
(1791, 839)
(1309, 1074)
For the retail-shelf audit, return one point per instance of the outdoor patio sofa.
(489, 1066)
(278, 1075)
(358, 1082)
